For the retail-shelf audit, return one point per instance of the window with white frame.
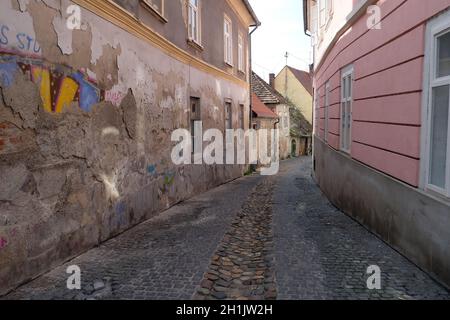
(240, 52)
(156, 5)
(316, 112)
(325, 8)
(194, 21)
(326, 110)
(437, 106)
(346, 108)
(228, 40)
(241, 63)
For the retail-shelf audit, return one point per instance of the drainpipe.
(275, 124)
(276, 143)
(250, 73)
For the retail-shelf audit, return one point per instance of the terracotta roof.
(265, 92)
(304, 78)
(261, 109)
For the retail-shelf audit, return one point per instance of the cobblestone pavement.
(323, 254)
(256, 237)
(242, 267)
(164, 258)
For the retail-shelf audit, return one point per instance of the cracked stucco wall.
(85, 126)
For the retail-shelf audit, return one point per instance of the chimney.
(272, 80)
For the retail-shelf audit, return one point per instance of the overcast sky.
(281, 31)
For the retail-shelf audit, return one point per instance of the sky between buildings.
(281, 31)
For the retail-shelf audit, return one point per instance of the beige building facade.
(296, 85)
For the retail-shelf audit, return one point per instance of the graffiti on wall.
(59, 84)
(169, 178)
(151, 169)
(121, 211)
(115, 97)
(3, 243)
(17, 41)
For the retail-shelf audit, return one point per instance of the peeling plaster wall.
(86, 118)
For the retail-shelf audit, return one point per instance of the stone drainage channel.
(242, 267)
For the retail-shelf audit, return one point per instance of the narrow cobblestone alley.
(254, 238)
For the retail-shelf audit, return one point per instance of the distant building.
(381, 119)
(296, 85)
(263, 118)
(295, 131)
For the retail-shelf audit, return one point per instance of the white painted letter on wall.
(374, 20)
(74, 281)
(74, 19)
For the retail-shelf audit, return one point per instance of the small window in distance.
(228, 41)
(346, 108)
(241, 116)
(327, 106)
(322, 12)
(194, 20)
(228, 116)
(157, 5)
(195, 115)
(325, 12)
(129, 5)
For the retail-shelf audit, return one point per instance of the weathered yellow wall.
(295, 92)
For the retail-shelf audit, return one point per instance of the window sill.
(242, 72)
(155, 12)
(195, 44)
(434, 191)
(435, 195)
(229, 64)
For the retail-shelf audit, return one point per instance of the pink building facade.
(382, 119)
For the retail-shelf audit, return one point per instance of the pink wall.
(387, 91)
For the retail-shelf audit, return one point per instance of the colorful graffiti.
(169, 178)
(7, 73)
(59, 85)
(121, 210)
(3, 243)
(151, 169)
(115, 97)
